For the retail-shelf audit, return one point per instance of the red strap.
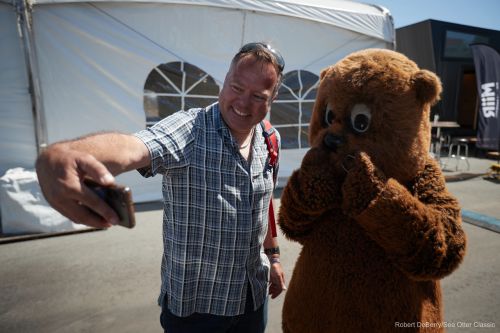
(273, 149)
(272, 220)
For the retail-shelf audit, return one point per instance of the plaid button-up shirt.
(215, 213)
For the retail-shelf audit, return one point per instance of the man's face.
(247, 94)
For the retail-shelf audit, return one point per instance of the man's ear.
(275, 95)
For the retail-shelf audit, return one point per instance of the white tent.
(69, 68)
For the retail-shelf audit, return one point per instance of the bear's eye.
(360, 118)
(329, 116)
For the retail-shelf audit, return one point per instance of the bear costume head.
(377, 101)
(369, 204)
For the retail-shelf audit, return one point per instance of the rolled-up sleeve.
(169, 142)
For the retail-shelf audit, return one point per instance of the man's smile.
(239, 113)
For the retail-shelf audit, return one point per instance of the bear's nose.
(332, 141)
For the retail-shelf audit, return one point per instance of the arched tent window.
(292, 110)
(177, 86)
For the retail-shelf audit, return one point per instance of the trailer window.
(457, 44)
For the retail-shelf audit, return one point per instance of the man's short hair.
(265, 53)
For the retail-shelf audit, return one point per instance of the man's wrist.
(274, 260)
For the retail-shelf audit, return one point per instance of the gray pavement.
(108, 281)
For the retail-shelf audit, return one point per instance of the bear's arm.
(310, 192)
(421, 233)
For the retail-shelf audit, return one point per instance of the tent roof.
(371, 20)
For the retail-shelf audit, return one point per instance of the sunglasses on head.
(254, 46)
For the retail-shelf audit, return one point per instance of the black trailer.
(443, 48)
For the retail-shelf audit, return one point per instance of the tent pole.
(25, 29)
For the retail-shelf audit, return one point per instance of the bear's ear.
(323, 73)
(427, 86)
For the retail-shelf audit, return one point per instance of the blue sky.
(478, 13)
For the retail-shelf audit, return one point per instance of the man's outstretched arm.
(63, 166)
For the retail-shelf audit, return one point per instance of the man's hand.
(61, 171)
(277, 280)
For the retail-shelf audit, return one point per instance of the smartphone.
(119, 198)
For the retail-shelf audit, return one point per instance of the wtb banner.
(487, 63)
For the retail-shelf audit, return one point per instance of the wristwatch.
(272, 250)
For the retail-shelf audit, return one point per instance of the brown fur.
(379, 228)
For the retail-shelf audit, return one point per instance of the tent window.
(177, 86)
(291, 111)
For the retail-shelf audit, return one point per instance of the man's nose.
(245, 100)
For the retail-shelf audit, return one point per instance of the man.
(216, 187)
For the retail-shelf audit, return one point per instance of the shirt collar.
(219, 123)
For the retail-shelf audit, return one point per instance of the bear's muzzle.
(333, 141)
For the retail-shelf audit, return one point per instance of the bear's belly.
(344, 282)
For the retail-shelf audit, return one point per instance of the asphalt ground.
(108, 281)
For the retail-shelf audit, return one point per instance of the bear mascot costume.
(369, 205)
